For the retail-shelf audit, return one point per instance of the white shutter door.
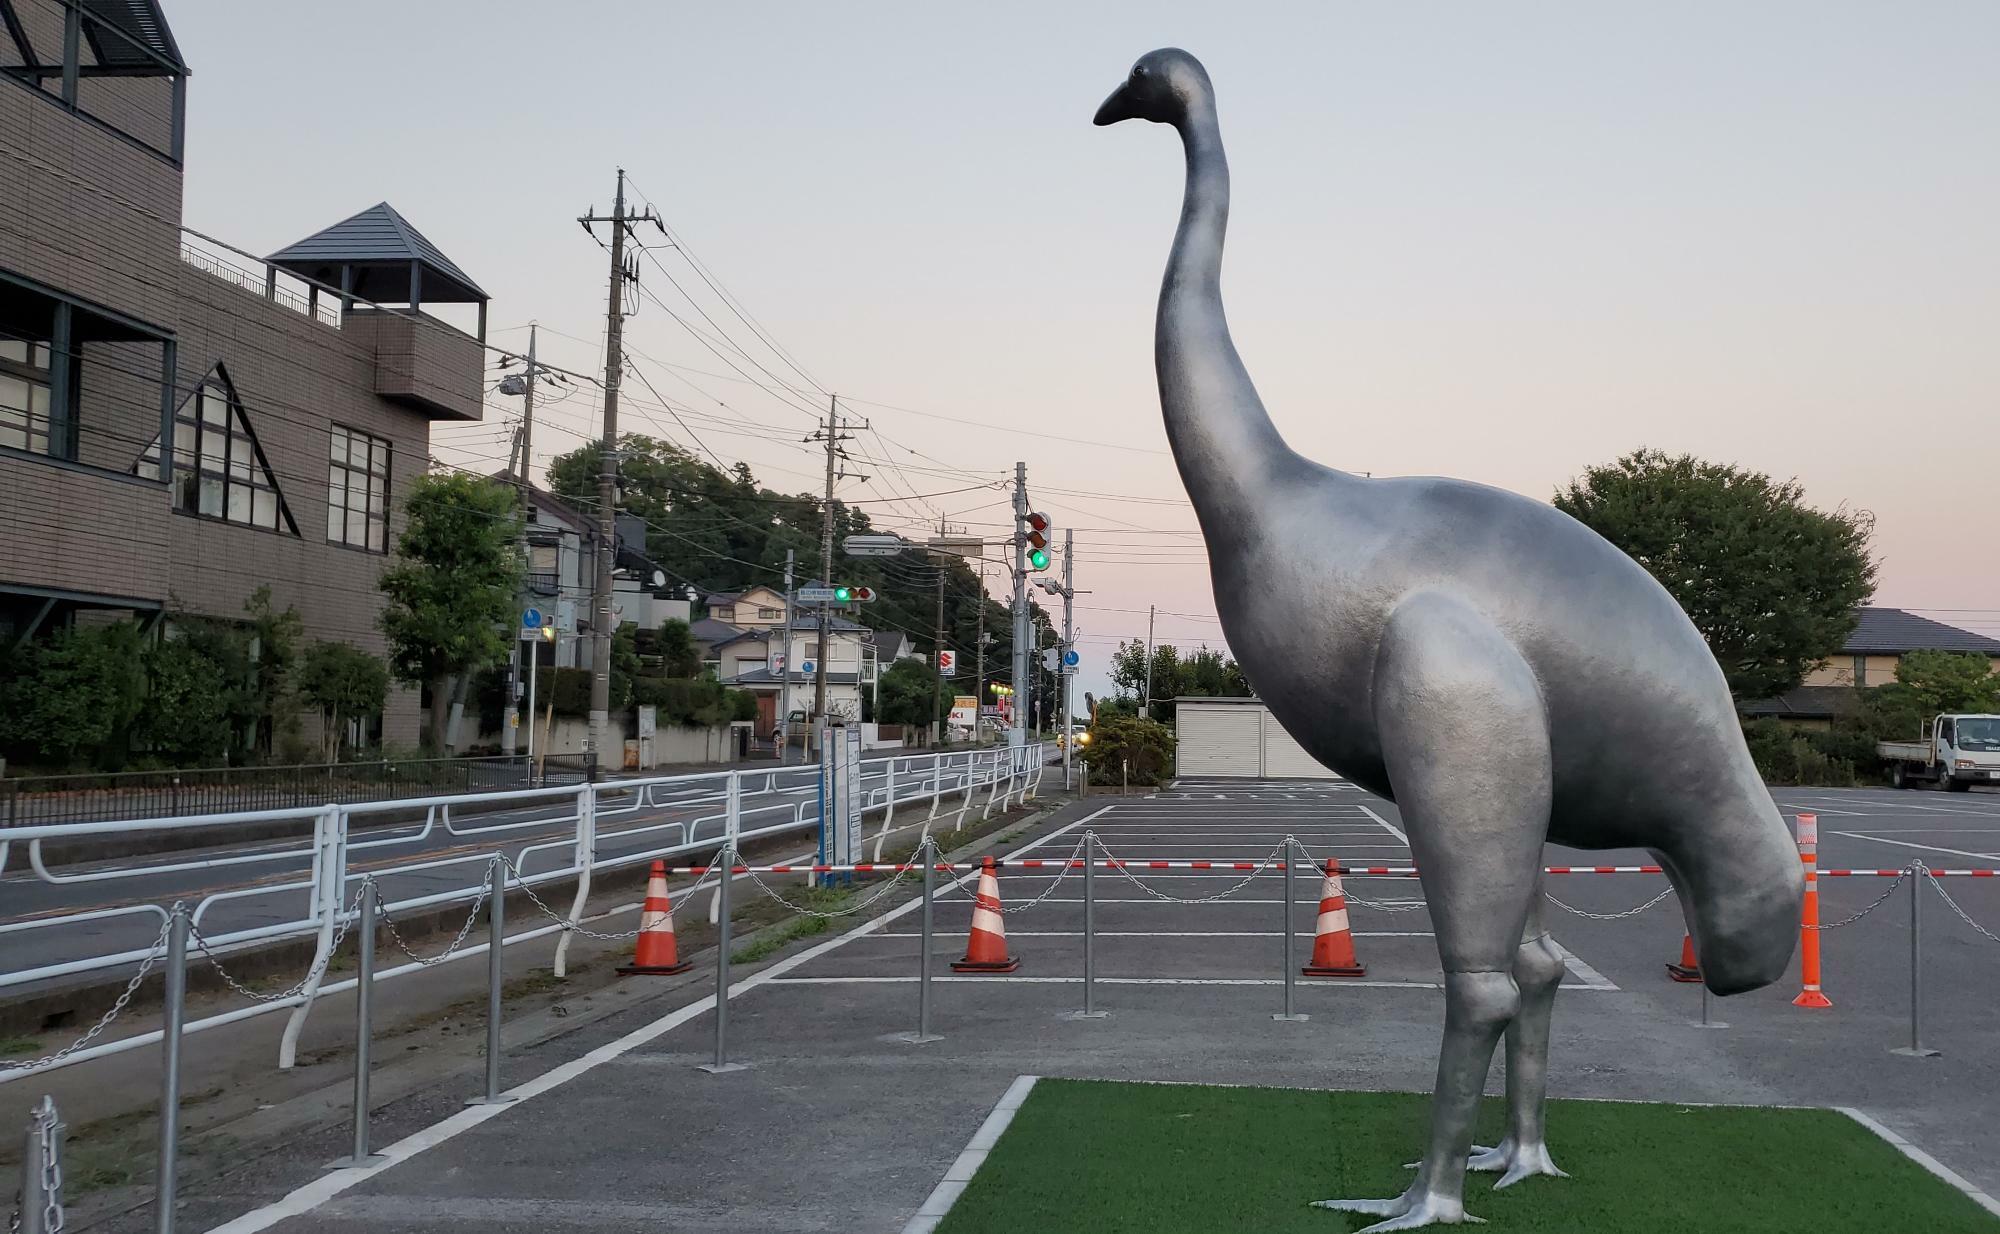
(1216, 741)
(1284, 758)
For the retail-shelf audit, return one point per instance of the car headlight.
(1965, 763)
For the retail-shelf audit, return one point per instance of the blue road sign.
(531, 619)
(1072, 659)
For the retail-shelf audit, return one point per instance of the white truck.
(1955, 752)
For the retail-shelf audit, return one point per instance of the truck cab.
(1955, 751)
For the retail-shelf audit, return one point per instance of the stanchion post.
(364, 992)
(726, 864)
(1290, 1013)
(1090, 1011)
(928, 854)
(1918, 872)
(1705, 1021)
(496, 974)
(167, 1175)
(1810, 995)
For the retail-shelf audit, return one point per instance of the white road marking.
(1169, 934)
(1931, 848)
(974, 978)
(953, 1184)
(1925, 1160)
(310, 1196)
(1387, 826)
(1584, 972)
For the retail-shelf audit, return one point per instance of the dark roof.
(1891, 631)
(379, 244)
(143, 21)
(724, 597)
(1805, 703)
(709, 630)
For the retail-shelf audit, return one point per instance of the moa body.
(1495, 667)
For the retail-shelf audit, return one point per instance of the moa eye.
(1138, 71)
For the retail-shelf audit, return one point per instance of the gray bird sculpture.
(1502, 673)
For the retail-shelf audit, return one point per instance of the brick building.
(297, 390)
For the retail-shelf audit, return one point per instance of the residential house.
(182, 422)
(1881, 638)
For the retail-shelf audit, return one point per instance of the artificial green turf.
(1104, 1158)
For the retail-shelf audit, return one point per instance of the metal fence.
(40, 800)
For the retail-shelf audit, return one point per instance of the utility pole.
(1067, 678)
(785, 679)
(1015, 735)
(527, 436)
(979, 661)
(832, 437)
(603, 619)
(1146, 711)
(937, 679)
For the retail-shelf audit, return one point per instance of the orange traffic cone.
(986, 950)
(657, 954)
(1333, 943)
(1689, 969)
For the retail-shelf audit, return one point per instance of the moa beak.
(1117, 107)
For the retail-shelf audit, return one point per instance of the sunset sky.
(1500, 242)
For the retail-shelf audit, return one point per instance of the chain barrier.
(1938, 883)
(902, 872)
(1270, 859)
(464, 931)
(1347, 892)
(562, 919)
(159, 949)
(956, 887)
(46, 1127)
(1630, 912)
(318, 968)
(1851, 918)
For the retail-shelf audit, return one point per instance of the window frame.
(239, 465)
(344, 470)
(32, 377)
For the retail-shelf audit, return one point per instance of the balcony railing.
(205, 257)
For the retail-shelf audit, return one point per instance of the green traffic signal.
(1039, 558)
(842, 595)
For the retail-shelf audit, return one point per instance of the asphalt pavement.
(838, 1123)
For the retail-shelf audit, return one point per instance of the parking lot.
(838, 1124)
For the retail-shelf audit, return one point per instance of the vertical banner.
(829, 798)
(852, 803)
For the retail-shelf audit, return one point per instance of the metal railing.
(37, 800)
(568, 834)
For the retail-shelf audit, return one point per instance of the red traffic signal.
(1038, 530)
(861, 595)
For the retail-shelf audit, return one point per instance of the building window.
(357, 491)
(24, 396)
(219, 469)
(771, 614)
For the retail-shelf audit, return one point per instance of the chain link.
(471, 919)
(125, 997)
(957, 887)
(1630, 912)
(563, 920)
(1880, 900)
(1270, 860)
(1347, 892)
(318, 968)
(827, 914)
(1938, 883)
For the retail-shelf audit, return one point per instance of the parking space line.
(1386, 825)
(978, 978)
(1933, 848)
(1167, 934)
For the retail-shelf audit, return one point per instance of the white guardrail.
(712, 811)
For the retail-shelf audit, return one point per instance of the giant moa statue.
(1502, 673)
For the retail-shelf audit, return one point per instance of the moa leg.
(1466, 741)
(1538, 971)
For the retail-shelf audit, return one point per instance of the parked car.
(1954, 751)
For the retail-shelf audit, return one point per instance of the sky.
(1497, 242)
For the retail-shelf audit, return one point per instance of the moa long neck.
(1223, 440)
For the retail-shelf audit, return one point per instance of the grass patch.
(1111, 1158)
(17, 1047)
(819, 899)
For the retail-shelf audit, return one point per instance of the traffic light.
(842, 595)
(853, 595)
(1035, 531)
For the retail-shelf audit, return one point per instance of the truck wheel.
(1897, 777)
(1956, 786)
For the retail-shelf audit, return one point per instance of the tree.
(276, 638)
(1770, 582)
(342, 683)
(1950, 680)
(1206, 673)
(679, 657)
(77, 696)
(186, 717)
(453, 586)
(1129, 749)
(907, 694)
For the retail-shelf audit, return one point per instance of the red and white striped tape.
(1037, 863)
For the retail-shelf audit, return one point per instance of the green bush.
(1127, 749)
(76, 698)
(1788, 755)
(696, 702)
(185, 719)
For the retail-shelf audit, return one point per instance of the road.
(837, 1124)
(264, 881)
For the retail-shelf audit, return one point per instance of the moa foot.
(1409, 1211)
(1514, 1162)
